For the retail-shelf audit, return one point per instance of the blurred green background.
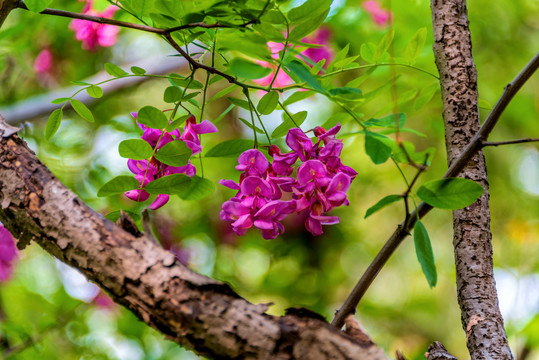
(47, 311)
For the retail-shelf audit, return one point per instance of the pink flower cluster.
(321, 37)
(148, 170)
(320, 185)
(378, 14)
(93, 34)
(8, 253)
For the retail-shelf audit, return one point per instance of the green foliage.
(53, 123)
(230, 148)
(199, 189)
(268, 103)
(152, 117)
(135, 149)
(289, 123)
(118, 185)
(37, 5)
(450, 193)
(115, 70)
(248, 70)
(82, 110)
(94, 91)
(378, 147)
(425, 256)
(173, 184)
(390, 199)
(175, 153)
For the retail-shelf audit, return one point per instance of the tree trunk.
(476, 288)
(190, 309)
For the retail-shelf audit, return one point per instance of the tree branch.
(509, 142)
(190, 309)
(403, 229)
(102, 20)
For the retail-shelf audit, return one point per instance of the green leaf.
(230, 148)
(340, 56)
(377, 147)
(367, 52)
(37, 5)
(94, 91)
(223, 114)
(82, 110)
(305, 28)
(308, 10)
(170, 184)
(199, 189)
(401, 156)
(425, 256)
(222, 93)
(425, 95)
(450, 193)
(118, 185)
(77, 82)
(268, 103)
(416, 44)
(152, 117)
(238, 102)
(177, 123)
(115, 70)
(136, 149)
(137, 70)
(382, 203)
(298, 96)
(304, 74)
(175, 153)
(172, 94)
(288, 124)
(250, 126)
(382, 47)
(386, 121)
(60, 100)
(248, 70)
(346, 93)
(142, 7)
(53, 123)
(180, 81)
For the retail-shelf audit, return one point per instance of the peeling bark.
(195, 311)
(476, 288)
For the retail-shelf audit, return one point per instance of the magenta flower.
(8, 254)
(378, 14)
(320, 185)
(91, 34)
(146, 171)
(43, 62)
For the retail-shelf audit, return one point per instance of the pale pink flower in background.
(8, 254)
(43, 62)
(320, 37)
(378, 14)
(91, 34)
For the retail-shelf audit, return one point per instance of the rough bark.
(476, 288)
(190, 309)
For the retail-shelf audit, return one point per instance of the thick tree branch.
(191, 309)
(403, 229)
(476, 287)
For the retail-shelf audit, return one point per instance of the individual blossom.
(92, 34)
(320, 184)
(146, 171)
(378, 14)
(8, 254)
(43, 62)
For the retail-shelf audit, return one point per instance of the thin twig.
(510, 142)
(405, 227)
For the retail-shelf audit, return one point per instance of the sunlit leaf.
(230, 148)
(450, 193)
(268, 103)
(377, 147)
(170, 184)
(175, 153)
(82, 110)
(118, 185)
(115, 70)
(136, 149)
(288, 124)
(94, 91)
(199, 189)
(248, 70)
(53, 123)
(152, 117)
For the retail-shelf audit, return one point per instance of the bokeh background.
(49, 311)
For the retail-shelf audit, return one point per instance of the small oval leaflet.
(170, 184)
(53, 123)
(118, 185)
(175, 153)
(136, 149)
(230, 148)
(450, 193)
(82, 110)
(152, 117)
